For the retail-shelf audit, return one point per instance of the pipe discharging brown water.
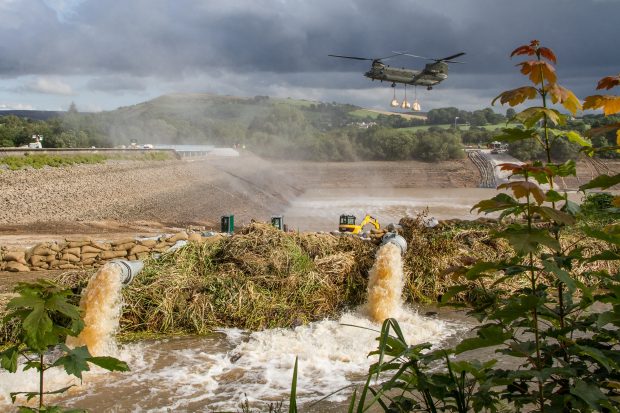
(100, 305)
(385, 284)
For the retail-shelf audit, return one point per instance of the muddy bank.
(383, 174)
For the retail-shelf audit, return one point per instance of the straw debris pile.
(432, 252)
(257, 279)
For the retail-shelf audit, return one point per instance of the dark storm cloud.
(174, 39)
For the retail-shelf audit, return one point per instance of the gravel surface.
(147, 193)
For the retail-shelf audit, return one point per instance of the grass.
(451, 126)
(38, 161)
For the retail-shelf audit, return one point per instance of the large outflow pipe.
(394, 238)
(128, 269)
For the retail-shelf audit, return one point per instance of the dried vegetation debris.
(259, 278)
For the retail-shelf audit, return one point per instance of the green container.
(278, 221)
(228, 224)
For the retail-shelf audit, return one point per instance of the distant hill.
(226, 120)
(33, 114)
(280, 128)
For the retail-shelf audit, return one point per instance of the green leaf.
(36, 326)
(489, 335)
(562, 275)
(497, 203)
(607, 317)
(602, 181)
(60, 304)
(554, 215)
(609, 364)
(604, 256)
(109, 363)
(568, 168)
(554, 196)
(588, 392)
(613, 237)
(571, 207)
(75, 361)
(572, 136)
(530, 116)
(292, 407)
(515, 134)
(525, 240)
(451, 292)
(8, 359)
(481, 269)
(26, 301)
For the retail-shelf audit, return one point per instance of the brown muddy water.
(319, 209)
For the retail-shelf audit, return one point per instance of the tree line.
(280, 129)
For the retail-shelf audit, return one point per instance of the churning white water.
(219, 372)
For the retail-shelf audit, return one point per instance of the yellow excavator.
(347, 223)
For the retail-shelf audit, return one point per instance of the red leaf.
(516, 96)
(608, 82)
(524, 167)
(512, 167)
(547, 54)
(526, 50)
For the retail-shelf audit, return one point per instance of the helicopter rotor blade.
(413, 55)
(351, 57)
(390, 56)
(445, 59)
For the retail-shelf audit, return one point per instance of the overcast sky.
(106, 54)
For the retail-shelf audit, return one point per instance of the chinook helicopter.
(431, 75)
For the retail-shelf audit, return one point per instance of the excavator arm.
(370, 220)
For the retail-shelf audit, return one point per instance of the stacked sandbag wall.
(84, 252)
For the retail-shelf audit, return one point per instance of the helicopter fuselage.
(431, 75)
